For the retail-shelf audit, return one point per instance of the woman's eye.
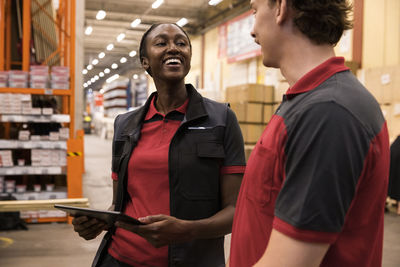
(160, 44)
(181, 43)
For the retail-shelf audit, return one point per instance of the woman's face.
(168, 53)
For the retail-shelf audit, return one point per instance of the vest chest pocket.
(199, 171)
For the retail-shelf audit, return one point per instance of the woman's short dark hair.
(322, 21)
(143, 41)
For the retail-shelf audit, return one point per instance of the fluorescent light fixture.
(89, 82)
(106, 70)
(102, 91)
(121, 37)
(93, 80)
(88, 30)
(182, 22)
(101, 74)
(101, 15)
(132, 53)
(85, 85)
(214, 2)
(123, 60)
(89, 67)
(157, 4)
(96, 77)
(135, 76)
(84, 71)
(95, 61)
(136, 23)
(114, 66)
(110, 47)
(102, 54)
(112, 78)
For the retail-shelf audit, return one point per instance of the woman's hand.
(160, 230)
(88, 228)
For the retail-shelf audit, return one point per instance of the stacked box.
(60, 77)
(48, 157)
(3, 78)
(39, 76)
(253, 106)
(18, 79)
(24, 135)
(26, 104)
(63, 133)
(6, 159)
(10, 103)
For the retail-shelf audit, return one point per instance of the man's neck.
(302, 56)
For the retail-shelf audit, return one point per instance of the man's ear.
(281, 11)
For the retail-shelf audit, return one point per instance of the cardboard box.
(247, 151)
(248, 112)
(251, 132)
(280, 90)
(250, 93)
(268, 111)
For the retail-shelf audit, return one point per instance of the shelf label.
(45, 171)
(48, 91)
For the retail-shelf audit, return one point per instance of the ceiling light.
(123, 60)
(214, 2)
(84, 71)
(102, 54)
(89, 30)
(101, 15)
(157, 4)
(182, 22)
(89, 82)
(101, 74)
(89, 67)
(114, 66)
(93, 80)
(132, 53)
(120, 37)
(96, 77)
(135, 76)
(95, 61)
(85, 85)
(106, 70)
(136, 23)
(112, 78)
(110, 47)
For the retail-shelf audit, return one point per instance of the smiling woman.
(177, 165)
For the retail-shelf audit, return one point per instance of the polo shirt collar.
(317, 76)
(153, 111)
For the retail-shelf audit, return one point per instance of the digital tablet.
(110, 217)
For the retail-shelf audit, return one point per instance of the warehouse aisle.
(49, 245)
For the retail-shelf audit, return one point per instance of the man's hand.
(88, 228)
(160, 230)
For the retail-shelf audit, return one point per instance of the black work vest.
(196, 155)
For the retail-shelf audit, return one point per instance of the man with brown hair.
(315, 185)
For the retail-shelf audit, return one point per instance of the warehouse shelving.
(64, 52)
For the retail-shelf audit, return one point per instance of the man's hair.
(322, 21)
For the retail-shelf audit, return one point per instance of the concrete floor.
(56, 244)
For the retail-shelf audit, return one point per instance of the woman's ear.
(145, 63)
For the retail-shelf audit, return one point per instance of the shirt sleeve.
(326, 150)
(234, 161)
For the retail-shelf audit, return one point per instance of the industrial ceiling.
(119, 23)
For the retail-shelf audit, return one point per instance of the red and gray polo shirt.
(318, 173)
